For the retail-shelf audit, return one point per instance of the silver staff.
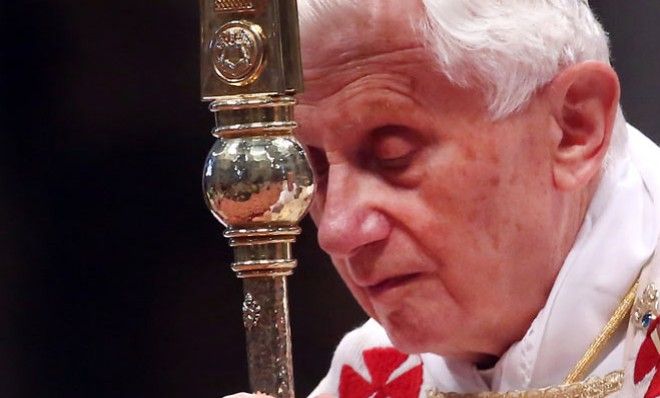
(257, 180)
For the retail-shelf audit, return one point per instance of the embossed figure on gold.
(238, 52)
(251, 312)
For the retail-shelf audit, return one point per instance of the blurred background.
(114, 278)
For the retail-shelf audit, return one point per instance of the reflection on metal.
(257, 181)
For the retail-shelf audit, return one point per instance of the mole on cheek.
(494, 158)
(513, 179)
(470, 154)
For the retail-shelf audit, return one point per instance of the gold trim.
(593, 387)
(620, 314)
(233, 5)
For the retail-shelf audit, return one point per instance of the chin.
(407, 345)
(410, 334)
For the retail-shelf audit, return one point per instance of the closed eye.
(393, 147)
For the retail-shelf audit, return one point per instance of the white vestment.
(619, 235)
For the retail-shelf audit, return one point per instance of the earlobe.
(585, 99)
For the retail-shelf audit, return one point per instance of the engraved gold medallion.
(238, 52)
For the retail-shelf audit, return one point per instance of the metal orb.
(252, 182)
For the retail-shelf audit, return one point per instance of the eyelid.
(393, 147)
(390, 148)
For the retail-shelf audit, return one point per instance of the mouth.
(391, 283)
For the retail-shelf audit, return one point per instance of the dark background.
(114, 278)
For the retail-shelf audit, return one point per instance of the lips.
(391, 283)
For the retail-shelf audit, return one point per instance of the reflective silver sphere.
(254, 182)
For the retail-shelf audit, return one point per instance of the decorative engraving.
(251, 312)
(232, 5)
(238, 53)
(645, 309)
(281, 362)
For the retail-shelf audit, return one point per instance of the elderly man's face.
(439, 220)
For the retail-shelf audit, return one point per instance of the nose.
(350, 217)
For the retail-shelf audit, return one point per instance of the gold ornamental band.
(593, 387)
(253, 269)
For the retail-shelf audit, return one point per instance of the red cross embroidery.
(381, 363)
(648, 359)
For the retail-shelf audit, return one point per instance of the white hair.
(509, 49)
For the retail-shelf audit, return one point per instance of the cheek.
(471, 221)
(477, 190)
(358, 293)
(464, 199)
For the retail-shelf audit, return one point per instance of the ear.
(584, 99)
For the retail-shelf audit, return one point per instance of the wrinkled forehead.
(334, 31)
